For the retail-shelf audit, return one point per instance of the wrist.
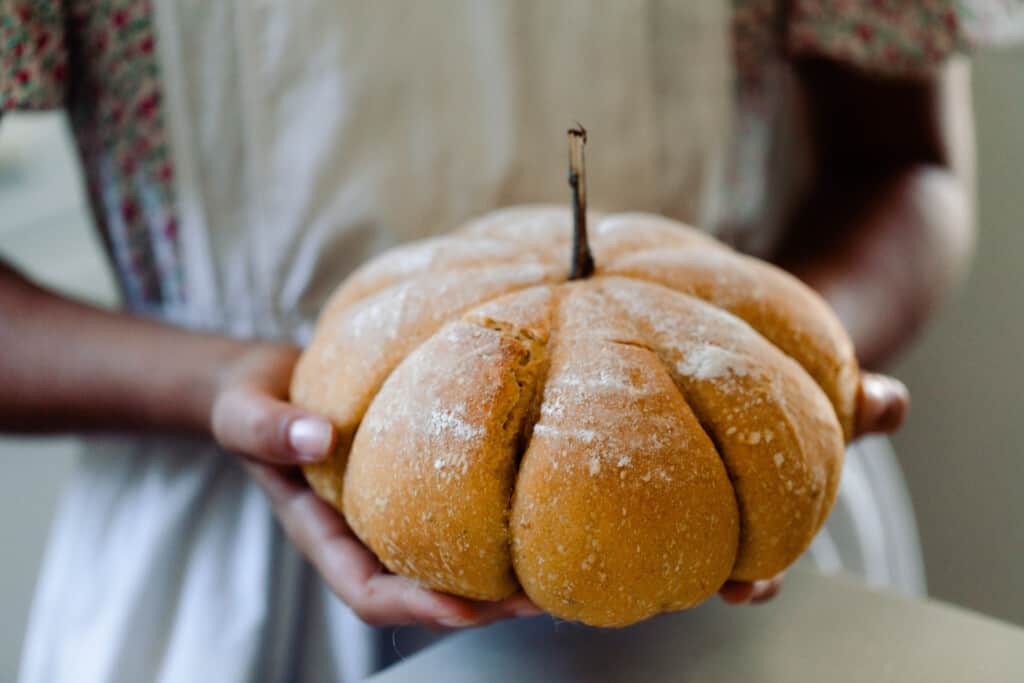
(209, 363)
(265, 366)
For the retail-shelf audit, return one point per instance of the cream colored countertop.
(819, 629)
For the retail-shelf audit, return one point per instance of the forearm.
(68, 366)
(901, 244)
(888, 226)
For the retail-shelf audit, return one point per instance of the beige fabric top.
(330, 130)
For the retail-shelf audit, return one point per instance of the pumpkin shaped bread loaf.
(616, 446)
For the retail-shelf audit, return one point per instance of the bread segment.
(436, 255)
(622, 508)
(773, 426)
(619, 234)
(354, 350)
(785, 311)
(434, 461)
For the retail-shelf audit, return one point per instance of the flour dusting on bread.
(705, 361)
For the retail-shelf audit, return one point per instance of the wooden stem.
(582, 259)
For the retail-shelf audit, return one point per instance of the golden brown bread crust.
(622, 509)
(434, 255)
(679, 416)
(773, 426)
(620, 234)
(430, 492)
(784, 310)
(356, 347)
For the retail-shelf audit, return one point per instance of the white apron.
(306, 136)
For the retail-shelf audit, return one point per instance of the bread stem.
(582, 260)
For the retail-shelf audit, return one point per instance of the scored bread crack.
(633, 343)
(527, 373)
(530, 376)
(645, 331)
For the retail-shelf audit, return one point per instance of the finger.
(755, 592)
(882, 404)
(519, 605)
(276, 483)
(386, 599)
(766, 590)
(349, 568)
(249, 421)
(516, 606)
(736, 592)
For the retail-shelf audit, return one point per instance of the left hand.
(882, 404)
(250, 416)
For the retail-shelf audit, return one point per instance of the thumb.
(882, 404)
(248, 421)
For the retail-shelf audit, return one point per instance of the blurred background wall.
(961, 449)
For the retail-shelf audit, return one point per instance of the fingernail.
(528, 611)
(455, 622)
(871, 386)
(310, 438)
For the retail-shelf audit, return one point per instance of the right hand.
(251, 417)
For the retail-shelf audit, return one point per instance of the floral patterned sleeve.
(97, 60)
(899, 37)
(33, 60)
